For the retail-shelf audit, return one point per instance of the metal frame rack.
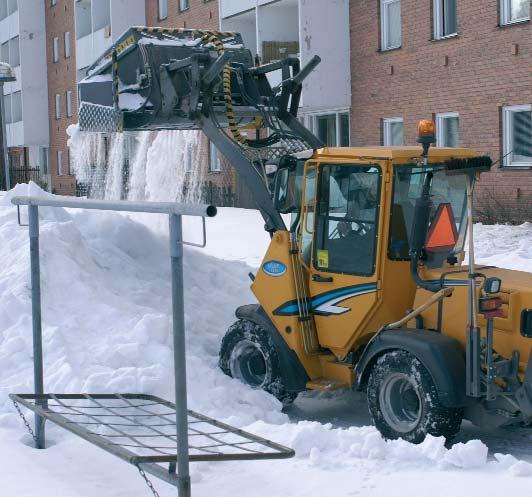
(144, 430)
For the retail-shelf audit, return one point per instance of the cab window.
(408, 184)
(347, 219)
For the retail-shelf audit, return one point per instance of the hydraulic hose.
(213, 37)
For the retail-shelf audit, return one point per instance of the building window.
(184, 5)
(444, 18)
(16, 107)
(393, 133)
(60, 163)
(448, 130)
(10, 52)
(514, 11)
(43, 159)
(187, 158)
(55, 49)
(163, 9)
(214, 159)
(390, 24)
(517, 135)
(12, 6)
(67, 44)
(58, 106)
(4, 52)
(14, 52)
(331, 128)
(69, 103)
(53, 2)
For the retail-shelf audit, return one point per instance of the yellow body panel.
(516, 295)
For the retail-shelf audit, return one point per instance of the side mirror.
(281, 198)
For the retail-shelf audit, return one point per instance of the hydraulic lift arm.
(156, 78)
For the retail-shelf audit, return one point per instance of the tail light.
(491, 307)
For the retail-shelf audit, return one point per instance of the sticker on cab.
(323, 258)
(274, 268)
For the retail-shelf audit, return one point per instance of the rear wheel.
(404, 403)
(248, 354)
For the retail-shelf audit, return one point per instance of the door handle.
(322, 279)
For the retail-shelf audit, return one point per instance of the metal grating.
(142, 428)
(100, 118)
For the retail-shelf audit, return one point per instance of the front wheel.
(248, 354)
(403, 400)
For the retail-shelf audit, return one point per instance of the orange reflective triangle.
(442, 234)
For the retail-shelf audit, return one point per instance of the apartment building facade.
(468, 65)
(303, 28)
(22, 45)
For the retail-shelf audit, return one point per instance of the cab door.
(343, 278)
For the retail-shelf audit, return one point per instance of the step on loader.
(367, 286)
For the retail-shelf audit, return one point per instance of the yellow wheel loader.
(366, 287)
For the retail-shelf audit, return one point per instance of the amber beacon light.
(426, 135)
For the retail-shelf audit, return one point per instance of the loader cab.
(353, 211)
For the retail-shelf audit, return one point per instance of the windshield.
(408, 184)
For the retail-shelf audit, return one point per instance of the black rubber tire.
(247, 331)
(433, 418)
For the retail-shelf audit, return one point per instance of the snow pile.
(107, 328)
(106, 301)
(504, 245)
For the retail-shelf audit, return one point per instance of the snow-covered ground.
(106, 301)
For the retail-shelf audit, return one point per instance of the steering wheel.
(345, 228)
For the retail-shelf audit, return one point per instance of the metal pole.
(4, 137)
(38, 375)
(180, 373)
(473, 331)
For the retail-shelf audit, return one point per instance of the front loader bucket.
(157, 78)
(128, 87)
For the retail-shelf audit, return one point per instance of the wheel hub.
(400, 402)
(248, 363)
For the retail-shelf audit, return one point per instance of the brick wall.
(476, 73)
(201, 14)
(61, 78)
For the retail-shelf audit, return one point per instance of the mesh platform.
(142, 428)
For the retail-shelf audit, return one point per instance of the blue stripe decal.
(325, 304)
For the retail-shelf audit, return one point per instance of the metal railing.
(175, 213)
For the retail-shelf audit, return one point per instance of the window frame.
(215, 163)
(505, 14)
(67, 39)
(12, 42)
(439, 21)
(68, 97)
(19, 110)
(187, 158)
(59, 156)
(55, 49)
(507, 136)
(181, 8)
(319, 194)
(440, 118)
(311, 122)
(57, 106)
(386, 128)
(162, 3)
(384, 22)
